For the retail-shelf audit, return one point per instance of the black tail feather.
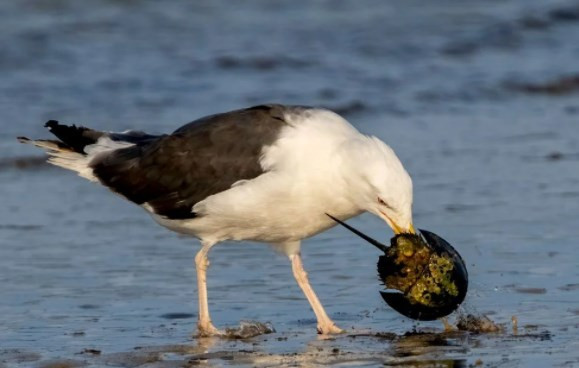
(76, 138)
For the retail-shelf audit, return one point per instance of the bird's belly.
(220, 229)
(273, 208)
(287, 227)
(283, 224)
(280, 225)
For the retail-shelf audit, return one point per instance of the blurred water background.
(480, 99)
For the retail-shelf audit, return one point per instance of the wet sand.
(412, 349)
(479, 100)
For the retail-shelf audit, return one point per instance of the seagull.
(272, 173)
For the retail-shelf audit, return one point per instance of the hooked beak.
(395, 227)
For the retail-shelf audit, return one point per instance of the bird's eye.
(381, 201)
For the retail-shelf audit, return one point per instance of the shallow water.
(452, 87)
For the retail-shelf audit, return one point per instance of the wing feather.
(173, 172)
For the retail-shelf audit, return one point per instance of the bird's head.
(383, 186)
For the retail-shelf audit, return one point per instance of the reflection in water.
(443, 363)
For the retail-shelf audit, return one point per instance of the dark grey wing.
(173, 172)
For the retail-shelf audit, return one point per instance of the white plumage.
(317, 164)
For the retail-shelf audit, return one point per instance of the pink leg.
(204, 324)
(325, 324)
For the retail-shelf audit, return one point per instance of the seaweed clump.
(477, 324)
